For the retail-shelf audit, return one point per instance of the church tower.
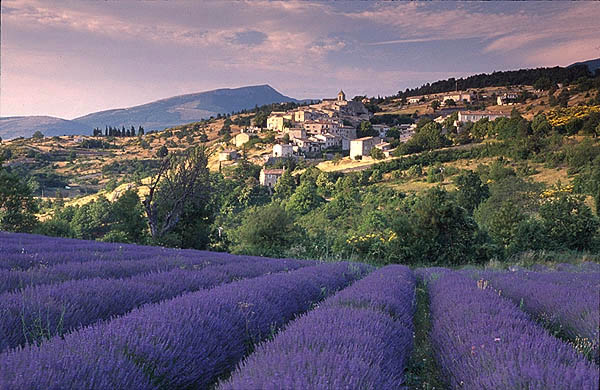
(341, 96)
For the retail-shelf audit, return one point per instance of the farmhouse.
(474, 116)
(507, 99)
(269, 177)
(457, 97)
(362, 146)
(385, 147)
(307, 145)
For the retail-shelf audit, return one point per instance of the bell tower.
(341, 96)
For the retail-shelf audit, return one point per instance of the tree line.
(544, 77)
(110, 131)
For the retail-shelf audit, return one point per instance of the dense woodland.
(494, 212)
(541, 78)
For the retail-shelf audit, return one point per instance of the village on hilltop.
(318, 130)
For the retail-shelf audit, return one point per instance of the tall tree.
(17, 206)
(181, 179)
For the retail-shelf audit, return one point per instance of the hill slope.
(591, 64)
(25, 126)
(183, 109)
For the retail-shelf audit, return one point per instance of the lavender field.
(89, 315)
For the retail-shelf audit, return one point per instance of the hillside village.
(331, 127)
(333, 133)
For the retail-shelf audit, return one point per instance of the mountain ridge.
(591, 64)
(155, 115)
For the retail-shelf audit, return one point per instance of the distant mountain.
(186, 108)
(591, 64)
(156, 115)
(25, 126)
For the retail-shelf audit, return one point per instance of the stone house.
(362, 146)
(474, 116)
(283, 150)
(269, 177)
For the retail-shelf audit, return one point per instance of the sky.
(70, 58)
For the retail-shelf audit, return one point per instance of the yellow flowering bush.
(561, 116)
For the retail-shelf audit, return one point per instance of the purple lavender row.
(27, 261)
(21, 242)
(31, 261)
(360, 338)
(570, 301)
(483, 341)
(12, 280)
(186, 342)
(41, 312)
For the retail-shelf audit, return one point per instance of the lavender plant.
(39, 312)
(186, 342)
(360, 338)
(483, 341)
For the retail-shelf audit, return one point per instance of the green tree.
(162, 151)
(569, 223)
(37, 135)
(17, 205)
(260, 119)
(471, 191)
(426, 138)
(285, 186)
(540, 125)
(182, 180)
(437, 230)
(435, 105)
(377, 154)
(265, 231)
(304, 199)
(543, 83)
(129, 217)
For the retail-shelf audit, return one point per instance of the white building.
(474, 116)
(362, 146)
(321, 126)
(507, 99)
(283, 150)
(385, 147)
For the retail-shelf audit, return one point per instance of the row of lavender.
(121, 267)
(184, 342)
(361, 338)
(40, 312)
(568, 302)
(25, 252)
(484, 341)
